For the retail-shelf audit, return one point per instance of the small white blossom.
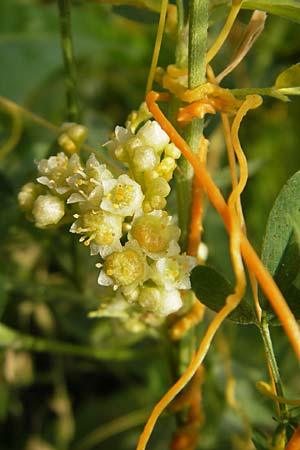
(127, 268)
(100, 229)
(88, 183)
(174, 272)
(160, 301)
(116, 145)
(122, 196)
(156, 234)
(56, 170)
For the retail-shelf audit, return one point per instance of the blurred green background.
(96, 393)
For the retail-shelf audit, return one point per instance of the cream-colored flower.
(174, 272)
(156, 234)
(160, 301)
(56, 170)
(100, 229)
(122, 196)
(126, 268)
(116, 146)
(88, 184)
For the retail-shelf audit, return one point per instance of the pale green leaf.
(290, 79)
(288, 9)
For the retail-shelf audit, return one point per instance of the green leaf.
(281, 222)
(212, 288)
(288, 9)
(289, 78)
(285, 277)
(281, 244)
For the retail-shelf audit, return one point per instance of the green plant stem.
(268, 91)
(266, 337)
(14, 108)
(18, 341)
(64, 7)
(198, 24)
(197, 42)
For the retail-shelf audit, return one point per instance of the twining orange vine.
(250, 257)
(239, 246)
(294, 443)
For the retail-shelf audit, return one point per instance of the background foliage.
(95, 394)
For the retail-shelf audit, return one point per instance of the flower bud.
(149, 298)
(153, 135)
(28, 194)
(48, 210)
(145, 158)
(77, 133)
(166, 168)
(160, 301)
(172, 151)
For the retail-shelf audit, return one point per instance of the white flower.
(122, 196)
(56, 170)
(88, 183)
(174, 272)
(116, 145)
(156, 234)
(127, 268)
(48, 210)
(160, 301)
(100, 229)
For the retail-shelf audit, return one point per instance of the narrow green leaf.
(212, 288)
(281, 244)
(285, 212)
(286, 276)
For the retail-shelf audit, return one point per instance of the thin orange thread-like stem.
(233, 171)
(294, 442)
(253, 262)
(188, 321)
(186, 377)
(231, 301)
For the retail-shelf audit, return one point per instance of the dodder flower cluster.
(146, 273)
